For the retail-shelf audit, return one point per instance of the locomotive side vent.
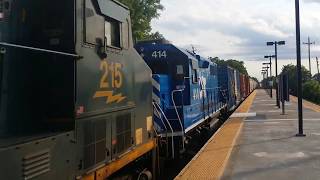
(124, 139)
(95, 142)
(89, 149)
(100, 140)
(36, 164)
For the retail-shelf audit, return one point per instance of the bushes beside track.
(311, 91)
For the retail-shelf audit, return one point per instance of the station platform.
(258, 142)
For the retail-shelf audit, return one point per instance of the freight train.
(77, 101)
(189, 91)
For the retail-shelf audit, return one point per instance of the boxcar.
(243, 90)
(226, 79)
(237, 86)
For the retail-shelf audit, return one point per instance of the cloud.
(312, 1)
(238, 29)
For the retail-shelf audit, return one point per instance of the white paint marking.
(271, 122)
(280, 155)
(275, 111)
(267, 104)
(264, 120)
(264, 100)
(241, 115)
(155, 84)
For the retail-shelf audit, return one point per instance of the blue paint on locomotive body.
(182, 82)
(226, 76)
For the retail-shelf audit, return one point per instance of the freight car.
(75, 97)
(237, 86)
(227, 82)
(244, 88)
(185, 91)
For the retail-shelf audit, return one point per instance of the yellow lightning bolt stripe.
(110, 97)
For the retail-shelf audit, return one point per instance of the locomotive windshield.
(159, 67)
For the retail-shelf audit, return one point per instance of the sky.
(239, 29)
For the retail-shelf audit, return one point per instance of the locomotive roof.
(166, 45)
(114, 9)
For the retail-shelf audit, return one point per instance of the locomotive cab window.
(179, 70)
(194, 76)
(112, 33)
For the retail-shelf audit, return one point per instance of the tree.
(292, 73)
(142, 12)
(316, 77)
(238, 65)
(156, 35)
(311, 91)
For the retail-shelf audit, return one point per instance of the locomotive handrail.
(175, 107)
(172, 142)
(166, 129)
(161, 117)
(40, 49)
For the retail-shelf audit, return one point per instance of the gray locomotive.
(75, 97)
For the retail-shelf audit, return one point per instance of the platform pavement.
(268, 148)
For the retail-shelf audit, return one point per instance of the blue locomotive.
(186, 90)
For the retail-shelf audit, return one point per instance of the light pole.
(309, 44)
(318, 78)
(266, 69)
(263, 72)
(265, 76)
(276, 43)
(300, 133)
(270, 84)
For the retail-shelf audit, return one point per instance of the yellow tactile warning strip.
(212, 159)
(307, 104)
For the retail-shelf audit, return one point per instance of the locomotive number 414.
(159, 54)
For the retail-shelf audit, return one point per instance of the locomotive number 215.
(112, 74)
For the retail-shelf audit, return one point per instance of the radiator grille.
(36, 164)
(95, 142)
(124, 139)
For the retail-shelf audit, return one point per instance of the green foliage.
(238, 65)
(265, 82)
(292, 72)
(155, 36)
(316, 77)
(310, 88)
(311, 91)
(142, 12)
(255, 79)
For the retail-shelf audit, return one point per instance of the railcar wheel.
(145, 175)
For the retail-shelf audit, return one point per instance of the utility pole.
(309, 44)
